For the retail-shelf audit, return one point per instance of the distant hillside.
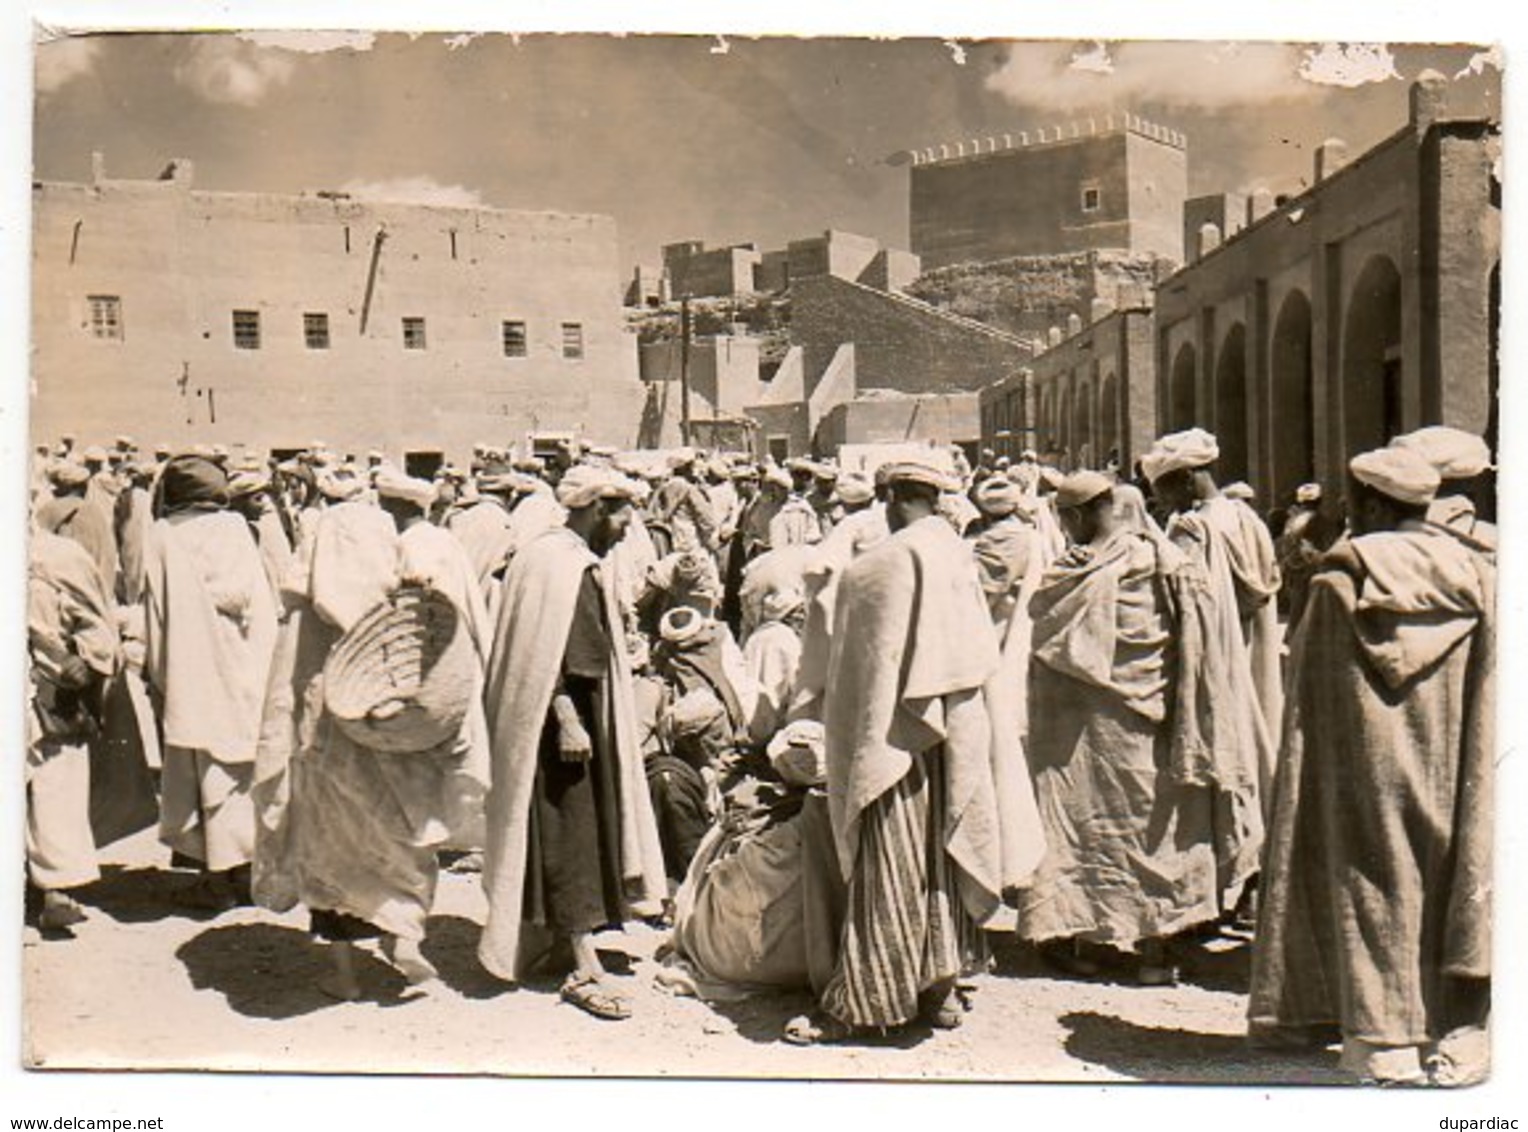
(765, 316)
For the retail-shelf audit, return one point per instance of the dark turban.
(192, 481)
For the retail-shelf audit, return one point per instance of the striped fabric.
(904, 928)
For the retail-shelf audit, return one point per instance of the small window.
(246, 330)
(572, 339)
(413, 334)
(315, 330)
(514, 340)
(106, 316)
(1091, 198)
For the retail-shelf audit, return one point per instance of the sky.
(722, 139)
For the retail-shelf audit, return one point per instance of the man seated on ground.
(761, 904)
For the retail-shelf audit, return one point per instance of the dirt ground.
(144, 984)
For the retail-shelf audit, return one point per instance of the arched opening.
(1180, 409)
(1082, 426)
(1231, 404)
(1108, 422)
(1294, 399)
(1371, 352)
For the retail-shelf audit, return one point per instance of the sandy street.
(144, 985)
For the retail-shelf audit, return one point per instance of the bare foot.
(339, 988)
(405, 955)
(59, 912)
(340, 983)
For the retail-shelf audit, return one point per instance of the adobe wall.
(1029, 200)
(900, 344)
(182, 261)
(1417, 208)
(1092, 394)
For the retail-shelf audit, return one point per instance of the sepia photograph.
(755, 556)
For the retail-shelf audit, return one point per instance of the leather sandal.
(815, 1029)
(590, 994)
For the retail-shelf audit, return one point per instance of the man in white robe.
(209, 632)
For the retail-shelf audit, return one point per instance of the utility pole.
(684, 370)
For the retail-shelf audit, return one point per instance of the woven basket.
(401, 679)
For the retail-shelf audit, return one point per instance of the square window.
(246, 330)
(106, 316)
(315, 330)
(1092, 197)
(514, 340)
(572, 339)
(413, 334)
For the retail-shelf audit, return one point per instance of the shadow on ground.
(1214, 962)
(270, 971)
(1166, 1055)
(141, 895)
(450, 943)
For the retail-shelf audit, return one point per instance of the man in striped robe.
(911, 785)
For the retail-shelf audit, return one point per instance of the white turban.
(1456, 454)
(1191, 448)
(1397, 472)
(854, 490)
(392, 484)
(798, 753)
(997, 496)
(1079, 487)
(921, 471)
(583, 484)
(340, 485)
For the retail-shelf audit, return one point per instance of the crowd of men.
(832, 730)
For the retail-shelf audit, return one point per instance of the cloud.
(311, 42)
(1096, 75)
(227, 69)
(1349, 64)
(415, 190)
(456, 42)
(60, 61)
